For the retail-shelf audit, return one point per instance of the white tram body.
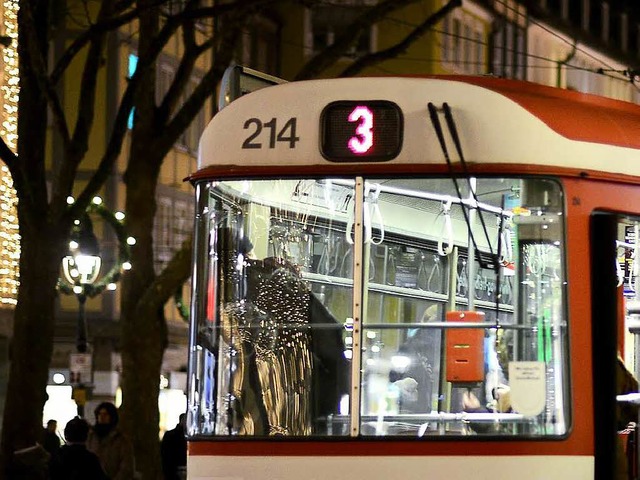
(394, 278)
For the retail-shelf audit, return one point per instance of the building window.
(605, 21)
(586, 13)
(191, 136)
(509, 50)
(327, 22)
(173, 7)
(469, 61)
(258, 47)
(172, 224)
(479, 47)
(564, 9)
(463, 46)
(131, 69)
(624, 31)
(164, 78)
(457, 41)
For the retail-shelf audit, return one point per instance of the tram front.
(364, 307)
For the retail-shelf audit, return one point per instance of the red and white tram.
(414, 278)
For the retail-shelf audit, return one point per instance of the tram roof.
(602, 120)
(499, 121)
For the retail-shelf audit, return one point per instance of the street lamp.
(81, 277)
(81, 269)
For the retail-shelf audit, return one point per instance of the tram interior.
(462, 329)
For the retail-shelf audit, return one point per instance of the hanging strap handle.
(447, 229)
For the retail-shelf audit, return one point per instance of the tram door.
(613, 286)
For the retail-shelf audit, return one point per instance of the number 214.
(286, 134)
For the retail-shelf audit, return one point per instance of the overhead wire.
(553, 62)
(553, 33)
(596, 70)
(625, 72)
(620, 75)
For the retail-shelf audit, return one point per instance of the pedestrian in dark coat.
(174, 451)
(50, 439)
(74, 461)
(113, 448)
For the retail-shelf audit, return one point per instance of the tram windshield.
(409, 307)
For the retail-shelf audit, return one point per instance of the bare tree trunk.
(144, 331)
(32, 342)
(41, 251)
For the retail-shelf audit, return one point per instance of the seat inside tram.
(409, 307)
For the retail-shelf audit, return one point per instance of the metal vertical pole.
(358, 278)
(471, 250)
(81, 334)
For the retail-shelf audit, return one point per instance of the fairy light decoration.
(9, 231)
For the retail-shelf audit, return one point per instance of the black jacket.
(174, 452)
(75, 462)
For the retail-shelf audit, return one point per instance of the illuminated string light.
(9, 231)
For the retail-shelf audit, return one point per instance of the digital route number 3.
(363, 140)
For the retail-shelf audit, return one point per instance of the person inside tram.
(627, 414)
(413, 374)
(626, 422)
(494, 392)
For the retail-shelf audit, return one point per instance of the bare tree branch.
(330, 55)
(401, 47)
(86, 99)
(122, 5)
(88, 35)
(76, 150)
(146, 60)
(7, 156)
(112, 149)
(39, 69)
(181, 120)
(188, 27)
(111, 24)
(222, 9)
(181, 79)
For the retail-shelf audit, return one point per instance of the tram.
(415, 277)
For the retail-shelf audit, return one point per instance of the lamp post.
(81, 277)
(81, 269)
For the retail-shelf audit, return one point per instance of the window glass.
(508, 50)
(479, 59)
(446, 40)
(458, 325)
(457, 41)
(422, 376)
(131, 69)
(172, 225)
(270, 350)
(329, 21)
(468, 49)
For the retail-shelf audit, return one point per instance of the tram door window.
(282, 347)
(628, 338)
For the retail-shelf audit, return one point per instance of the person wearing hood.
(112, 447)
